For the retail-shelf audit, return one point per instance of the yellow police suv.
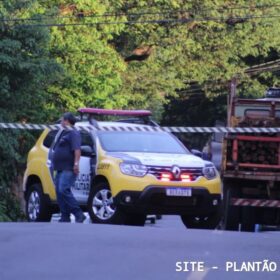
(127, 170)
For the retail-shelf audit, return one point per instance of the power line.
(105, 23)
(81, 15)
(156, 21)
(265, 69)
(263, 64)
(270, 66)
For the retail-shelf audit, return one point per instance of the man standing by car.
(66, 156)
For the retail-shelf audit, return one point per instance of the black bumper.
(153, 200)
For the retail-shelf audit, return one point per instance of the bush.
(9, 206)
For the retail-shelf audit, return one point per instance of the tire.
(202, 222)
(101, 206)
(231, 213)
(37, 207)
(248, 219)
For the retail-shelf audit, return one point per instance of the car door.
(49, 143)
(87, 167)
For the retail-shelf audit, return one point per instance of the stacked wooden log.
(256, 152)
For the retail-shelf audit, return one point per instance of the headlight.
(131, 169)
(209, 172)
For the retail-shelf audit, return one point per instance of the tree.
(196, 50)
(185, 56)
(26, 68)
(26, 72)
(93, 68)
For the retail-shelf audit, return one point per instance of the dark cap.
(69, 117)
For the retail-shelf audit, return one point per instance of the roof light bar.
(107, 112)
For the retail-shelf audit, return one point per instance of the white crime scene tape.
(174, 129)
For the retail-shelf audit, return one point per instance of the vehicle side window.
(257, 113)
(86, 139)
(50, 138)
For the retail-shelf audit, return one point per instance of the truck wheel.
(37, 208)
(248, 219)
(202, 222)
(101, 206)
(231, 213)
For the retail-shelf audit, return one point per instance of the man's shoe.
(81, 218)
(64, 220)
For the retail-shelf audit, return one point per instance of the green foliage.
(198, 51)
(9, 207)
(44, 71)
(26, 72)
(93, 67)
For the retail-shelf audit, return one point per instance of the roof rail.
(143, 120)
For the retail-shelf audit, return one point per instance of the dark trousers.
(64, 180)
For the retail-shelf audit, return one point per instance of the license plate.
(178, 192)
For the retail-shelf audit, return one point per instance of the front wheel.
(37, 207)
(101, 207)
(202, 222)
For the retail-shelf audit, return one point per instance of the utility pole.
(231, 97)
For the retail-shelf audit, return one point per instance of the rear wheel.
(248, 219)
(37, 206)
(202, 222)
(231, 213)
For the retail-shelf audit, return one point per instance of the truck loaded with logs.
(251, 164)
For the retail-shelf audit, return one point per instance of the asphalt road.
(85, 251)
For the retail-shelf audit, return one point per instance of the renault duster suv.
(126, 172)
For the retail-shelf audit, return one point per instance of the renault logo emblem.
(176, 171)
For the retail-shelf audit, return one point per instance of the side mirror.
(87, 151)
(202, 155)
(196, 153)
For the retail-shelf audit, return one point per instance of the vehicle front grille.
(157, 171)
